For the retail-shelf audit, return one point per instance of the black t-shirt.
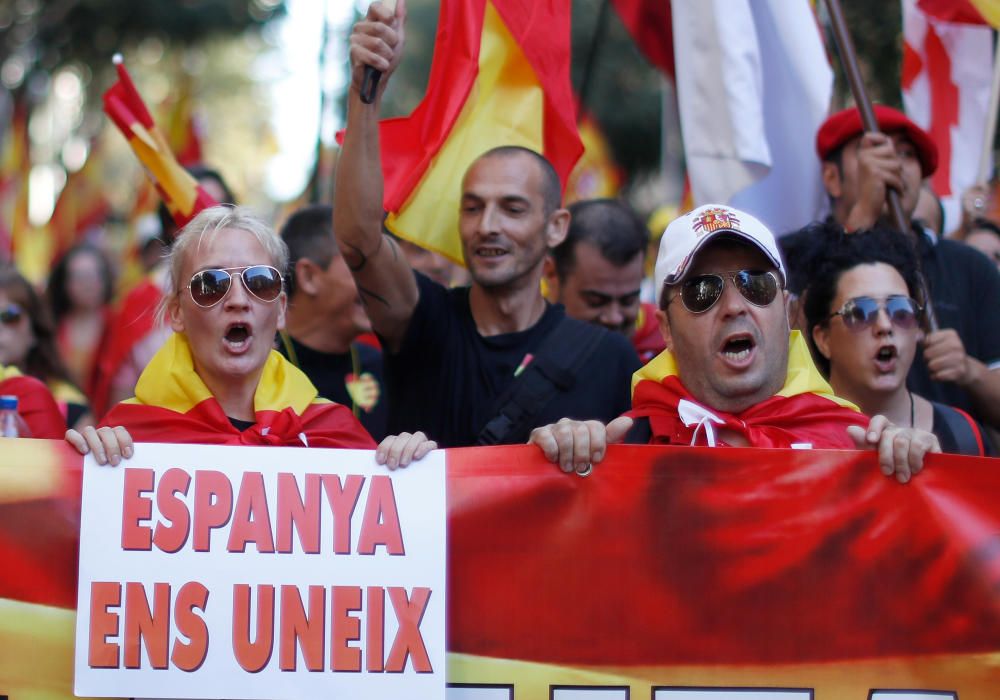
(446, 377)
(964, 286)
(335, 377)
(951, 443)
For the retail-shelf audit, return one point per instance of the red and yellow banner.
(668, 573)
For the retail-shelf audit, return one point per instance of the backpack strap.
(553, 369)
(965, 430)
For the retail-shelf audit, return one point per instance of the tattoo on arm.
(355, 257)
(367, 294)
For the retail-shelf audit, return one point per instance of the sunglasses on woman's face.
(700, 293)
(860, 313)
(11, 314)
(209, 287)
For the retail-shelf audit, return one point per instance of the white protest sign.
(261, 573)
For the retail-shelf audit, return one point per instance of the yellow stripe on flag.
(990, 10)
(973, 674)
(164, 169)
(505, 107)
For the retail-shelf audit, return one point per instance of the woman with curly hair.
(863, 324)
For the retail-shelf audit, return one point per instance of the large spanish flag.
(181, 193)
(500, 76)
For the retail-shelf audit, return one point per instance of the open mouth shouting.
(885, 358)
(738, 349)
(237, 337)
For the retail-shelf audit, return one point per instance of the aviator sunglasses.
(209, 287)
(699, 294)
(11, 314)
(862, 312)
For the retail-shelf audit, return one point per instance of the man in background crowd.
(597, 271)
(481, 364)
(325, 317)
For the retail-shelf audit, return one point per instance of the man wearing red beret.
(959, 364)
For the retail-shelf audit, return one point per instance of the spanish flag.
(500, 76)
(172, 404)
(181, 193)
(15, 168)
(963, 11)
(804, 412)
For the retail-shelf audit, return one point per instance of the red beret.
(846, 124)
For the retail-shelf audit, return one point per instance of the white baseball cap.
(688, 234)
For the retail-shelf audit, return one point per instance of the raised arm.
(382, 273)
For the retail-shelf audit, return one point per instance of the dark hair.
(551, 186)
(199, 172)
(844, 253)
(609, 225)
(985, 225)
(308, 233)
(43, 361)
(58, 296)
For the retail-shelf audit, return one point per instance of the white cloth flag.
(947, 70)
(753, 85)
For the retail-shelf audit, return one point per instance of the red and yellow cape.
(172, 404)
(805, 411)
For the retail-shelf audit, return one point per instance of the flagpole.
(986, 156)
(849, 59)
(321, 182)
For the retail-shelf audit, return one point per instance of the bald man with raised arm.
(481, 364)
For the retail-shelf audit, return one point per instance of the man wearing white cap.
(733, 373)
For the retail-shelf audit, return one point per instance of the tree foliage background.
(45, 35)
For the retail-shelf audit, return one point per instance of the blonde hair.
(208, 223)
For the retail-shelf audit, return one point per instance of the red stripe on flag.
(652, 28)
(960, 11)
(944, 107)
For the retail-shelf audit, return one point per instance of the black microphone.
(369, 83)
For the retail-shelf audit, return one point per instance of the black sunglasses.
(209, 287)
(699, 294)
(11, 314)
(862, 312)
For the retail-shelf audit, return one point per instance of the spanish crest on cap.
(715, 219)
